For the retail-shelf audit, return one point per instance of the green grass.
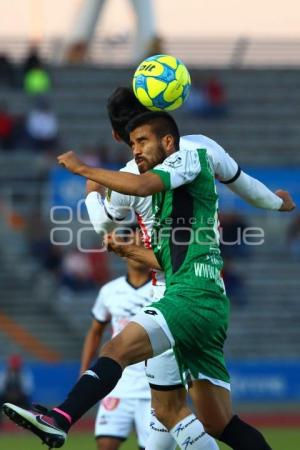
(279, 439)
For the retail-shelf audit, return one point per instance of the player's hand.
(70, 161)
(288, 203)
(92, 186)
(116, 244)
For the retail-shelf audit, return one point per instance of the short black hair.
(122, 105)
(161, 122)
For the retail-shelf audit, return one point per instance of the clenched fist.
(71, 162)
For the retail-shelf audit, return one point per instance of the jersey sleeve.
(99, 310)
(225, 167)
(97, 214)
(117, 206)
(180, 168)
(255, 192)
(106, 213)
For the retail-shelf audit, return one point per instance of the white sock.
(190, 435)
(159, 437)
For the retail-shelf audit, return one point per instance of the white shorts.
(162, 372)
(117, 417)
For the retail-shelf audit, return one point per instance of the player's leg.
(142, 417)
(130, 346)
(169, 400)
(184, 426)
(133, 344)
(109, 443)
(163, 375)
(170, 406)
(159, 437)
(113, 423)
(213, 406)
(199, 349)
(168, 395)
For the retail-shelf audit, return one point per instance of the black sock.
(94, 385)
(241, 436)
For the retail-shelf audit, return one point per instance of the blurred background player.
(128, 405)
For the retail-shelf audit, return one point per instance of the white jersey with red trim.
(119, 207)
(117, 302)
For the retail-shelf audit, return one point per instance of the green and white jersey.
(107, 213)
(185, 235)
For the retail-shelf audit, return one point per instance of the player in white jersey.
(128, 404)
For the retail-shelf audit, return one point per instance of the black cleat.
(40, 423)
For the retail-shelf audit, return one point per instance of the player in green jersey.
(192, 316)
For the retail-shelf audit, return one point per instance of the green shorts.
(198, 321)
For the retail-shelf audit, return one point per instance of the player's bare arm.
(91, 344)
(91, 186)
(132, 251)
(123, 182)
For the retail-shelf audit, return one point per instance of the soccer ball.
(161, 82)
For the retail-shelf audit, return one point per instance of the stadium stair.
(261, 129)
(261, 126)
(28, 322)
(267, 323)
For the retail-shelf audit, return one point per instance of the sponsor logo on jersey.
(102, 421)
(174, 161)
(207, 271)
(110, 403)
(149, 375)
(151, 312)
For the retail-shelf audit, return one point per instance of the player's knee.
(101, 445)
(108, 444)
(168, 406)
(160, 412)
(118, 350)
(214, 424)
(162, 416)
(213, 427)
(169, 414)
(112, 350)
